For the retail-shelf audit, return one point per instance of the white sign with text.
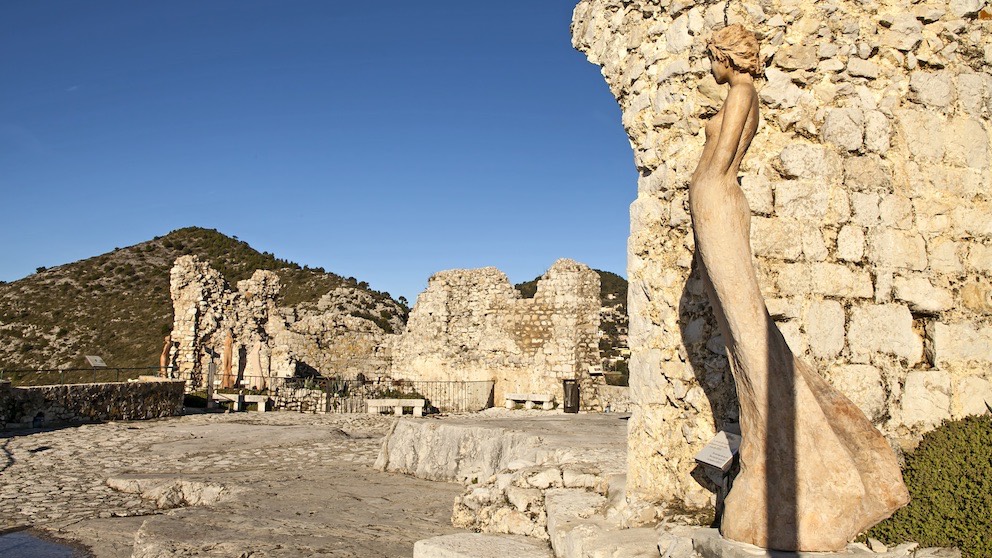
(720, 451)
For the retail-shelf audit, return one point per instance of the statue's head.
(735, 47)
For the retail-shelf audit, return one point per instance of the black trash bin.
(571, 400)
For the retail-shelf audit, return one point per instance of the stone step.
(578, 528)
(707, 543)
(477, 545)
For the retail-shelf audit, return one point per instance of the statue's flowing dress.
(814, 472)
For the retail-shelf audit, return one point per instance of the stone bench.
(376, 406)
(238, 400)
(529, 400)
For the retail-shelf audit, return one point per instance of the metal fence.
(57, 376)
(335, 395)
(301, 394)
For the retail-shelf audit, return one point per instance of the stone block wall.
(869, 185)
(79, 403)
(472, 325)
(615, 398)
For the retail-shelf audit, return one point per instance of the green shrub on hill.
(949, 477)
(117, 305)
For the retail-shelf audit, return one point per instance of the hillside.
(612, 317)
(117, 305)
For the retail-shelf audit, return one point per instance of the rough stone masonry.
(868, 182)
(471, 324)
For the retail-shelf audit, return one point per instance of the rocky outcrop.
(472, 325)
(869, 211)
(169, 493)
(465, 453)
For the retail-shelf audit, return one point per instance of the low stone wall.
(75, 403)
(616, 398)
(301, 400)
(6, 402)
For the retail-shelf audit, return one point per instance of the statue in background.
(163, 359)
(226, 361)
(814, 472)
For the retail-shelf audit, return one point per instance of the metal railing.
(306, 394)
(59, 376)
(335, 395)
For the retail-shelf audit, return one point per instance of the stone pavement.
(292, 485)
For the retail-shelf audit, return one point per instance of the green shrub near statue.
(949, 477)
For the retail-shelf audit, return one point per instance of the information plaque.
(95, 361)
(720, 451)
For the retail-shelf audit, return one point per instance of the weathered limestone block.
(478, 545)
(926, 399)
(892, 248)
(777, 238)
(845, 128)
(977, 296)
(866, 174)
(896, 211)
(883, 329)
(865, 208)
(972, 396)
(851, 243)
(797, 57)
(878, 132)
(825, 328)
(967, 143)
(980, 258)
(862, 384)
(972, 219)
(862, 68)
(942, 253)
(779, 91)
(454, 452)
(801, 199)
(961, 343)
(824, 279)
(758, 190)
(932, 89)
(805, 161)
(904, 33)
(921, 295)
(971, 93)
(923, 132)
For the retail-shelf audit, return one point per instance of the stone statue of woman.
(814, 472)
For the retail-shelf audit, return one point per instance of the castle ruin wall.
(472, 325)
(869, 184)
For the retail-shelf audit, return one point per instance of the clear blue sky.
(384, 141)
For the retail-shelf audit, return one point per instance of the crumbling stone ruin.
(471, 324)
(249, 337)
(868, 183)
